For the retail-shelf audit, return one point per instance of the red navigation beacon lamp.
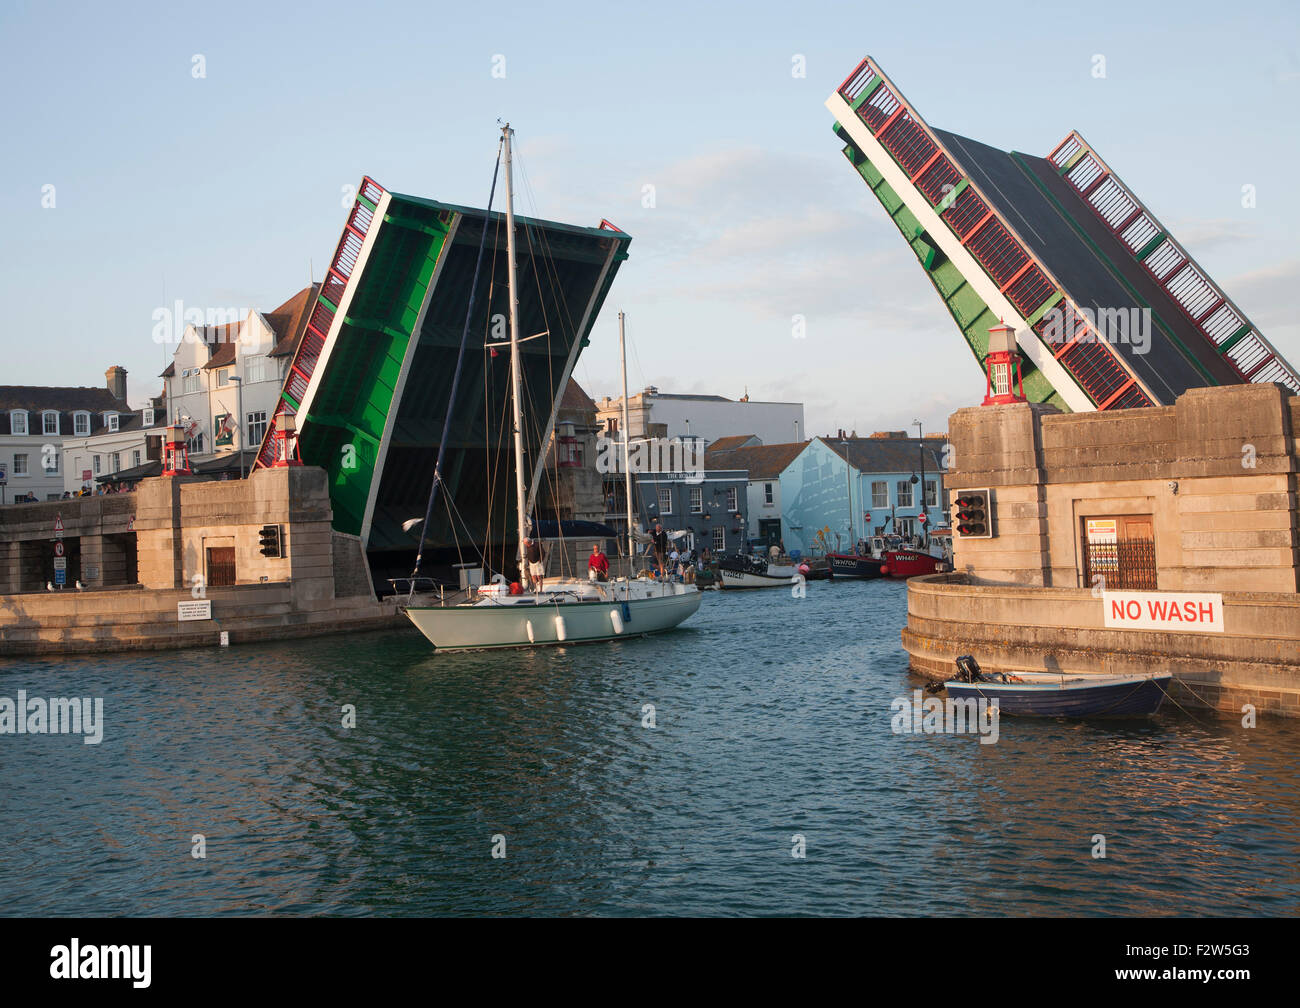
(286, 440)
(176, 458)
(1002, 367)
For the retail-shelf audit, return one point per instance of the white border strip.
(368, 243)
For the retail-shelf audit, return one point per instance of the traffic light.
(269, 537)
(974, 514)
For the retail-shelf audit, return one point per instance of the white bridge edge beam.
(969, 266)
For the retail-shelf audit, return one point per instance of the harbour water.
(771, 719)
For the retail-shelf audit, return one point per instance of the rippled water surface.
(772, 718)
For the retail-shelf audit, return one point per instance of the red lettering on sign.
(1207, 611)
(1116, 609)
(1133, 609)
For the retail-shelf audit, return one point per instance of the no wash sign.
(1134, 610)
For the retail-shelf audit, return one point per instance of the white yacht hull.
(554, 618)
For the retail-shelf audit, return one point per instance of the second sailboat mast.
(516, 376)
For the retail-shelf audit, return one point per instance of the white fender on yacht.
(560, 633)
(616, 618)
(528, 625)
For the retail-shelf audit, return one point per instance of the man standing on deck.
(660, 543)
(536, 568)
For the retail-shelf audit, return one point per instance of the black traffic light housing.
(974, 514)
(269, 537)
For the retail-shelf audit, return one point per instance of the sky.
(203, 153)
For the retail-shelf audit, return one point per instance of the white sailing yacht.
(565, 611)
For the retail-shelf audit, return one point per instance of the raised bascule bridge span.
(369, 383)
(1057, 247)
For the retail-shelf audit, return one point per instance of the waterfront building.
(857, 487)
(129, 451)
(34, 423)
(763, 465)
(1109, 310)
(651, 413)
(218, 369)
(709, 505)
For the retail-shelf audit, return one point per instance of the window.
(697, 500)
(223, 377)
(731, 498)
(665, 500)
(20, 465)
(49, 422)
(50, 461)
(767, 493)
(904, 493)
(256, 427)
(115, 461)
(720, 539)
(81, 423)
(1001, 380)
(879, 494)
(931, 494)
(18, 422)
(135, 458)
(257, 369)
(194, 445)
(191, 381)
(146, 418)
(95, 467)
(110, 421)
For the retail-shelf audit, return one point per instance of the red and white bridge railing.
(1201, 300)
(1026, 283)
(328, 300)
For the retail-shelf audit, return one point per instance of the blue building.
(848, 488)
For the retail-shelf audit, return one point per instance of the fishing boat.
(755, 572)
(903, 558)
(543, 611)
(1051, 694)
(886, 556)
(854, 565)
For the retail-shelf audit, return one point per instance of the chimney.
(115, 378)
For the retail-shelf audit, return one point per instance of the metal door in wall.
(221, 566)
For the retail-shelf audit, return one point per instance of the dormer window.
(147, 419)
(110, 421)
(50, 422)
(18, 421)
(81, 423)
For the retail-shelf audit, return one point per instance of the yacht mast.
(516, 378)
(627, 473)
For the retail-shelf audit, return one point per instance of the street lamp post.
(925, 515)
(239, 418)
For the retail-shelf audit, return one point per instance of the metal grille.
(1126, 564)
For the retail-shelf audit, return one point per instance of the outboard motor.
(968, 669)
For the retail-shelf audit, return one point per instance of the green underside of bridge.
(967, 308)
(559, 279)
(343, 430)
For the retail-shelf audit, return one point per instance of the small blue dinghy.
(1049, 694)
